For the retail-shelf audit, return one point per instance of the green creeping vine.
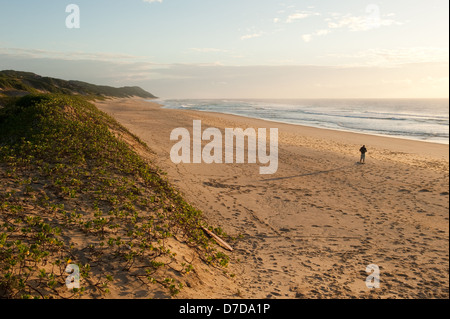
(72, 192)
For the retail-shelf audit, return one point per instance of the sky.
(235, 48)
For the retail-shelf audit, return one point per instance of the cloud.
(436, 82)
(291, 81)
(322, 32)
(48, 54)
(252, 35)
(397, 57)
(360, 23)
(151, 1)
(208, 50)
(301, 15)
(309, 37)
(227, 81)
(335, 21)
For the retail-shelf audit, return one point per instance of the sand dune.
(311, 229)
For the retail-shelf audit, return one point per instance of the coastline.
(310, 230)
(386, 147)
(201, 108)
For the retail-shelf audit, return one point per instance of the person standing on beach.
(363, 151)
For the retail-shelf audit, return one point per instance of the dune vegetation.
(73, 191)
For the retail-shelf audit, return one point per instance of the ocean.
(416, 119)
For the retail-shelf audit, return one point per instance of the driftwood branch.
(219, 240)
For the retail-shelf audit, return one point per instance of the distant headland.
(16, 83)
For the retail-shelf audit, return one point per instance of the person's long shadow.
(308, 174)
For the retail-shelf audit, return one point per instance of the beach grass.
(73, 191)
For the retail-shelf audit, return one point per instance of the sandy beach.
(311, 229)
